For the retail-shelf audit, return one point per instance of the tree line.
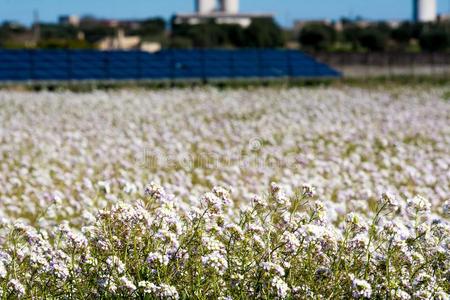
(376, 37)
(351, 36)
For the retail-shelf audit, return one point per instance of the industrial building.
(210, 6)
(425, 10)
(70, 20)
(222, 12)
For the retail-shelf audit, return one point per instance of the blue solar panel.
(84, 74)
(7, 75)
(221, 55)
(57, 64)
(168, 64)
(50, 75)
(223, 73)
(15, 65)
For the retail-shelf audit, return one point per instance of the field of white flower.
(330, 193)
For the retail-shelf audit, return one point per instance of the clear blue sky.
(285, 10)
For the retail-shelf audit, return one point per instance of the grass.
(373, 82)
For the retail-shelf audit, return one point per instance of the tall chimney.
(425, 10)
(205, 6)
(230, 6)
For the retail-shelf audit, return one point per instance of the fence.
(68, 65)
(388, 64)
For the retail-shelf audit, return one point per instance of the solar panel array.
(46, 65)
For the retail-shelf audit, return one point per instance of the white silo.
(205, 6)
(425, 10)
(230, 6)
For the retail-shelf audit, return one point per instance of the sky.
(286, 11)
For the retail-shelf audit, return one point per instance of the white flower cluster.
(361, 289)
(77, 219)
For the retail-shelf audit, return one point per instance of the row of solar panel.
(93, 75)
(240, 56)
(144, 64)
(67, 65)
(128, 54)
(109, 60)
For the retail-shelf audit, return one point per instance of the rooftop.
(224, 14)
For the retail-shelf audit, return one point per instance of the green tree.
(264, 33)
(96, 33)
(434, 40)
(179, 42)
(317, 37)
(208, 35)
(56, 31)
(403, 34)
(64, 44)
(351, 33)
(235, 35)
(373, 40)
(149, 28)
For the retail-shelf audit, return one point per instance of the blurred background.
(359, 38)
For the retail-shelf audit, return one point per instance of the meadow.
(202, 193)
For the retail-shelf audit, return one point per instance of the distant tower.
(425, 10)
(36, 26)
(205, 6)
(230, 6)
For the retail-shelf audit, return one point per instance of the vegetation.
(317, 37)
(353, 35)
(262, 33)
(330, 193)
(376, 37)
(434, 39)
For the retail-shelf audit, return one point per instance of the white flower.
(215, 261)
(418, 204)
(446, 207)
(279, 196)
(423, 295)
(156, 257)
(308, 190)
(234, 230)
(389, 200)
(155, 191)
(162, 291)
(223, 194)
(280, 287)
(423, 280)
(259, 201)
(127, 284)
(361, 288)
(57, 197)
(59, 268)
(148, 287)
(130, 188)
(3, 272)
(359, 242)
(108, 284)
(165, 291)
(15, 287)
(104, 186)
(214, 203)
(441, 295)
(356, 223)
(254, 228)
(115, 264)
(291, 241)
(399, 294)
(273, 268)
(351, 144)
